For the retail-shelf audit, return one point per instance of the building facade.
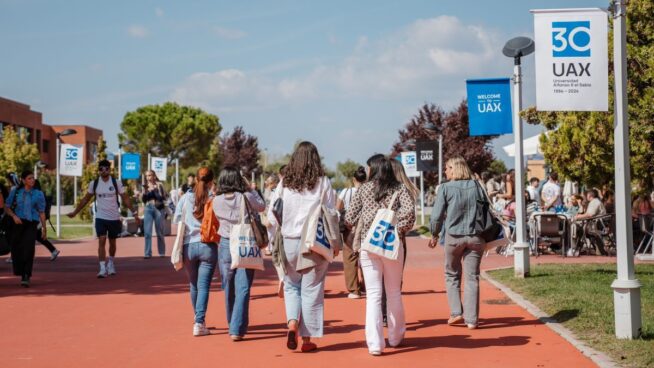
(28, 122)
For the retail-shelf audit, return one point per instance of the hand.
(71, 214)
(336, 251)
(44, 233)
(433, 242)
(17, 220)
(138, 220)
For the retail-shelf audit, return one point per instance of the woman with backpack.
(302, 188)
(26, 207)
(154, 198)
(236, 283)
(382, 190)
(200, 257)
(460, 197)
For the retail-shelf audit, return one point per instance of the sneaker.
(200, 329)
(375, 353)
(103, 271)
(111, 269)
(570, 253)
(54, 255)
(25, 282)
(353, 296)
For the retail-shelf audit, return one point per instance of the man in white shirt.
(533, 190)
(106, 190)
(551, 193)
(595, 208)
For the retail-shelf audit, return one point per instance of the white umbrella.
(530, 146)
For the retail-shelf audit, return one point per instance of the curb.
(602, 360)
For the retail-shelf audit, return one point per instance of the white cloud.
(228, 33)
(138, 31)
(158, 12)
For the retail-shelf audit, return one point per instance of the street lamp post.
(516, 48)
(37, 165)
(63, 133)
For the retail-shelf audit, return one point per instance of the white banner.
(410, 163)
(160, 167)
(71, 160)
(572, 64)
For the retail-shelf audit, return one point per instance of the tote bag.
(243, 244)
(314, 235)
(176, 257)
(382, 237)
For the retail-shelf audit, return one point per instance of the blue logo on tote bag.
(383, 236)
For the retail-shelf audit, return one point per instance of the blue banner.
(131, 166)
(489, 106)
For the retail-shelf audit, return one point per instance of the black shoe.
(25, 282)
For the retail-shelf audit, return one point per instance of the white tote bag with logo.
(382, 237)
(314, 238)
(177, 257)
(243, 245)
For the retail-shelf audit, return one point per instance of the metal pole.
(74, 190)
(58, 189)
(521, 246)
(422, 199)
(626, 288)
(36, 171)
(440, 158)
(120, 163)
(253, 178)
(176, 173)
(149, 160)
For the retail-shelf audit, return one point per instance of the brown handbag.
(258, 230)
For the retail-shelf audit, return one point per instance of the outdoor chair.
(646, 225)
(598, 234)
(550, 228)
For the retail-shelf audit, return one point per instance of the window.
(38, 140)
(46, 146)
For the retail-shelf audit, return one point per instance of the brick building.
(24, 120)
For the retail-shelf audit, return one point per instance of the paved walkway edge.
(599, 358)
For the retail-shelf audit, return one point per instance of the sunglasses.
(103, 168)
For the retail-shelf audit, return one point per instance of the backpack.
(210, 225)
(95, 187)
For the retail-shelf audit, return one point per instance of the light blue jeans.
(200, 262)
(304, 293)
(153, 215)
(236, 285)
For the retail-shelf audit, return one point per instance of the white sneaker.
(571, 252)
(111, 269)
(103, 271)
(54, 254)
(200, 329)
(353, 296)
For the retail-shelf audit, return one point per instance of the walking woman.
(303, 185)
(154, 198)
(29, 210)
(463, 245)
(199, 258)
(379, 272)
(236, 283)
(54, 252)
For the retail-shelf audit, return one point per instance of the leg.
(17, 236)
(159, 227)
(226, 276)
(453, 253)
(471, 261)
(350, 269)
(292, 281)
(112, 247)
(191, 264)
(148, 218)
(46, 243)
(208, 256)
(240, 315)
(372, 268)
(393, 287)
(29, 245)
(102, 253)
(313, 300)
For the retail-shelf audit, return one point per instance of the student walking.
(154, 198)
(301, 189)
(199, 258)
(28, 211)
(463, 245)
(106, 190)
(54, 252)
(236, 283)
(382, 190)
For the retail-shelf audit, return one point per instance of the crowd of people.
(373, 246)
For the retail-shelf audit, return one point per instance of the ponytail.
(204, 180)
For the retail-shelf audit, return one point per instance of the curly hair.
(304, 169)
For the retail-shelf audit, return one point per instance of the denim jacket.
(457, 199)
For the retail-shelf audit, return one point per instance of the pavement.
(142, 318)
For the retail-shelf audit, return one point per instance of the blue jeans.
(150, 215)
(236, 285)
(200, 262)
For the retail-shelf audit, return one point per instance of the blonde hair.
(400, 175)
(460, 169)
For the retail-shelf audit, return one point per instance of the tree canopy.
(16, 154)
(241, 150)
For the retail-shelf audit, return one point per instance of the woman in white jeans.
(379, 272)
(301, 189)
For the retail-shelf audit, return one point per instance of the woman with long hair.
(154, 197)
(301, 189)
(199, 258)
(28, 212)
(236, 283)
(463, 244)
(401, 176)
(379, 272)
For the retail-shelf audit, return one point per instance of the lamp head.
(518, 47)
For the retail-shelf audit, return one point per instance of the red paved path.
(142, 318)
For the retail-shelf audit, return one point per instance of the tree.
(456, 137)
(16, 154)
(497, 167)
(347, 168)
(169, 130)
(241, 151)
(579, 145)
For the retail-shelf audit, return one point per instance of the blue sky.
(343, 74)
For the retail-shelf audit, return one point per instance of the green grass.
(73, 232)
(581, 298)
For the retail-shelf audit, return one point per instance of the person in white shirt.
(106, 190)
(301, 189)
(551, 193)
(594, 208)
(532, 188)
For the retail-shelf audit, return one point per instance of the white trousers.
(381, 272)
